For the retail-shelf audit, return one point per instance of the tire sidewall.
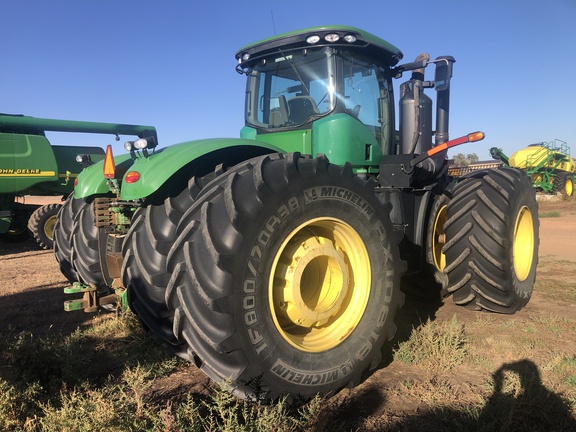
(63, 237)
(269, 354)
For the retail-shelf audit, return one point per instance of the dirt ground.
(31, 300)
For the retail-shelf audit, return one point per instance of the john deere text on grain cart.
(273, 261)
(30, 165)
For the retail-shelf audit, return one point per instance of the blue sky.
(171, 63)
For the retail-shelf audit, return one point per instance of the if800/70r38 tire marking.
(492, 247)
(230, 279)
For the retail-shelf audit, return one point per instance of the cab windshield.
(287, 90)
(292, 89)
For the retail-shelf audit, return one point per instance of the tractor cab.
(318, 84)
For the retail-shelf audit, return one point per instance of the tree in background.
(461, 160)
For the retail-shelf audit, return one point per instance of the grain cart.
(548, 164)
(30, 165)
(273, 261)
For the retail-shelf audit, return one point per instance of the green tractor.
(274, 261)
(30, 165)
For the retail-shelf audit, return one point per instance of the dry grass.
(549, 214)
(100, 379)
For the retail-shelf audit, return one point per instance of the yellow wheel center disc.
(319, 284)
(316, 282)
(49, 227)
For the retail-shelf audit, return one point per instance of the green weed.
(549, 214)
(437, 345)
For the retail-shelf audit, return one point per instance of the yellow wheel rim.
(319, 284)
(569, 187)
(439, 238)
(523, 244)
(49, 227)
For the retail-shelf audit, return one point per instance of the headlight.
(128, 145)
(332, 37)
(84, 159)
(140, 144)
(313, 39)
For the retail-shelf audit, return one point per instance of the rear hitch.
(92, 300)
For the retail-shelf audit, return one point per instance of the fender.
(196, 157)
(91, 179)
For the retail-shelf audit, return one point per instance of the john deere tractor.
(274, 260)
(30, 165)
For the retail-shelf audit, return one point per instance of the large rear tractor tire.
(492, 241)
(63, 236)
(42, 223)
(144, 273)
(564, 183)
(285, 278)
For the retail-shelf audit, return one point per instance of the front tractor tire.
(492, 241)
(41, 224)
(285, 278)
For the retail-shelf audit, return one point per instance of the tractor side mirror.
(443, 72)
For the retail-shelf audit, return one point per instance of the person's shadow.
(520, 402)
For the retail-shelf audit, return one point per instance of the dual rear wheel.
(79, 245)
(485, 241)
(280, 276)
(285, 277)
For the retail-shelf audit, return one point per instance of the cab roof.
(346, 37)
